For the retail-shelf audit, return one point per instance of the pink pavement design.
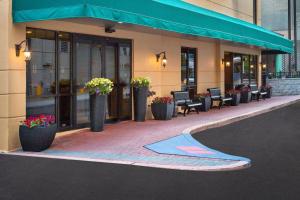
(122, 143)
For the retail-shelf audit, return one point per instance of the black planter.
(245, 97)
(269, 93)
(97, 112)
(236, 99)
(206, 103)
(37, 139)
(162, 111)
(140, 103)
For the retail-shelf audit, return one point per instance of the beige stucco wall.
(145, 45)
(12, 79)
(242, 9)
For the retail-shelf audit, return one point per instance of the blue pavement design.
(186, 145)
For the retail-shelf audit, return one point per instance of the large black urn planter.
(236, 99)
(245, 96)
(269, 93)
(97, 112)
(162, 111)
(38, 138)
(140, 103)
(206, 104)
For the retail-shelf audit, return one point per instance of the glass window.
(188, 69)
(237, 69)
(275, 17)
(40, 105)
(64, 76)
(96, 61)
(82, 76)
(41, 72)
(245, 70)
(253, 69)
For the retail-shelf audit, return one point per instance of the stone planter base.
(97, 112)
(245, 97)
(236, 99)
(140, 103)
(206, 104)
(162, 111)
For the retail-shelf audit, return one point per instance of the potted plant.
(37, 132)
(245, 94)
(205, 99)
(98, 89)
(235, 95)
(268, 89)
(162, 108)
(140, 92)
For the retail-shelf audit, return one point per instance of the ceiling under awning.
(168, 15)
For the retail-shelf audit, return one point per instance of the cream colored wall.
(241, 9)
(12, 79)
(145, 46)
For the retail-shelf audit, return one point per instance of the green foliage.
(99, 86)
(140, 82)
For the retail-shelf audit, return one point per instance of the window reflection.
(41, 73)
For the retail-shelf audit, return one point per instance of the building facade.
(288, 11)
(67, 52)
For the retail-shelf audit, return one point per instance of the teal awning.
(169, 15)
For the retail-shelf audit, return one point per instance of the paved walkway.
(123, 142)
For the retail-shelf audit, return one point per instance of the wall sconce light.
(227, 63)
(27, 53)
(251, 66)
(164, 58)
(263, 65)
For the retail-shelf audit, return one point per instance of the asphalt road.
(271, 141)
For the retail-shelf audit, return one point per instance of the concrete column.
(12, 79)
(220, 68)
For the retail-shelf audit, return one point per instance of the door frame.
(105, 41)
(187, 50)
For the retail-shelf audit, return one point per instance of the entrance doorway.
(63, 62)
(189, 70)
(240, 69)
(108, 58)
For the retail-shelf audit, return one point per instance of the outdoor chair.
(182, 99)
(215, 94)
(256, 93)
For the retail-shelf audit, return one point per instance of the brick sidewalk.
(123, 142)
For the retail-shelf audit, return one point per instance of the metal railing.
(280, 75)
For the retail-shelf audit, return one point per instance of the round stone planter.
(236, 99)
(140, 103)
(97, 112)
(38, 138)
(162, 111)
(206, 104)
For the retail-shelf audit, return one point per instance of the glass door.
(189, 70)
(98, 57)
(82, 75)
(124, 77)
(118, 69)
(110, 73)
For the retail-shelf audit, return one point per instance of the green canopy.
(169, 15)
